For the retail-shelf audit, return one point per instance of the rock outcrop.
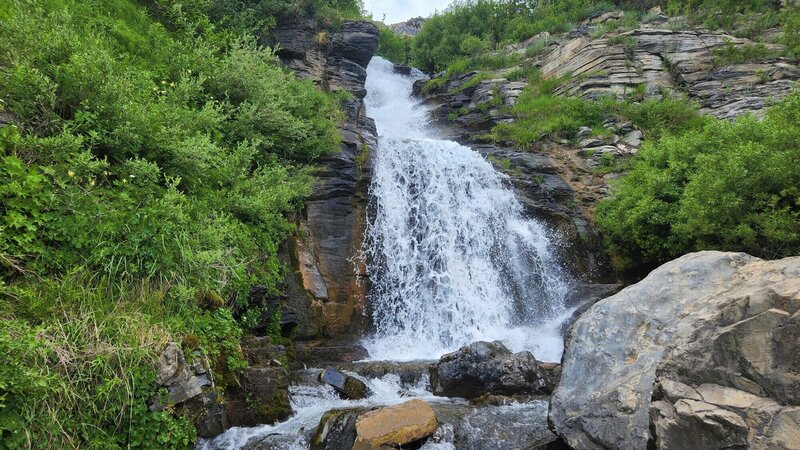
(336, 430)
(562, 182)
(700, 354)
(329, 294)
(262, 394)
(259, 396)
(486, 368)
(191, 389)
(661, 60)
(410, 27)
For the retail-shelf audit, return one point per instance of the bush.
(156, 156)
(727, 186)
(393, 47)
(493, 23)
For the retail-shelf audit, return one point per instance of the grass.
(145, 186)
(731, 54)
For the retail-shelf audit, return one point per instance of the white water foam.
(309, 403)
(451, 257)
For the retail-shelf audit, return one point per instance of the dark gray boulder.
(337, 430)
(486, 368)
(348, 387)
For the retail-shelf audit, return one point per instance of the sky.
(402, 10)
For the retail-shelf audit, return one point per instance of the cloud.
(402, 10)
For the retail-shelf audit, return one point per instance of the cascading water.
(451, 257)
(452, 261)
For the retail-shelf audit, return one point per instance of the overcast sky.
(402, 10)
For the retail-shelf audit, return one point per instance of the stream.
(452, 260)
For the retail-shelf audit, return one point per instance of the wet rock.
(486, 368)
(328, 352)
(700, 354)
(262, 398)
(410, 374)
(582, 296)
(515, 425)
(402, 69)
(395, 425)
(330, 297)
(348, 387)
(336, 430)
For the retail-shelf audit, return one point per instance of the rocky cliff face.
(328, 298)
(559, 181)
(700, 354)
(410, 27)
(663, 61)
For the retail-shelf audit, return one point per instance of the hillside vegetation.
(152, 153)
(698, 182)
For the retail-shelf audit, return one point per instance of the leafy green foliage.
(79, 366)
(392, 46)
(156, 154)
(727, 186)
(741, 54)
(541, 114)
(466, 28)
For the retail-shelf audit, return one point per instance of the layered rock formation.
(700, 354)
(259, 396)
(328, 299)
(410, 27)
(658, 61)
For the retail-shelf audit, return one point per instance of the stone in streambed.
(486, 368)
(336, 430)
(345, 385)
(395, 425)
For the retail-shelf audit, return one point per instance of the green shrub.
(726, 186)
(791, 29)
(741, 54)
(393, 47)
(494, 23)
(156, 155)
(540, 116)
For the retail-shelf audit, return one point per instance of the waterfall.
(450, 254)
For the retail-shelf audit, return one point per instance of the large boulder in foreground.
(486, 368)
(395, 425)
(389, 427)
(701, 354)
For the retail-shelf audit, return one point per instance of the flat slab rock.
(395, 425)
(703, 353)
(365, 429)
